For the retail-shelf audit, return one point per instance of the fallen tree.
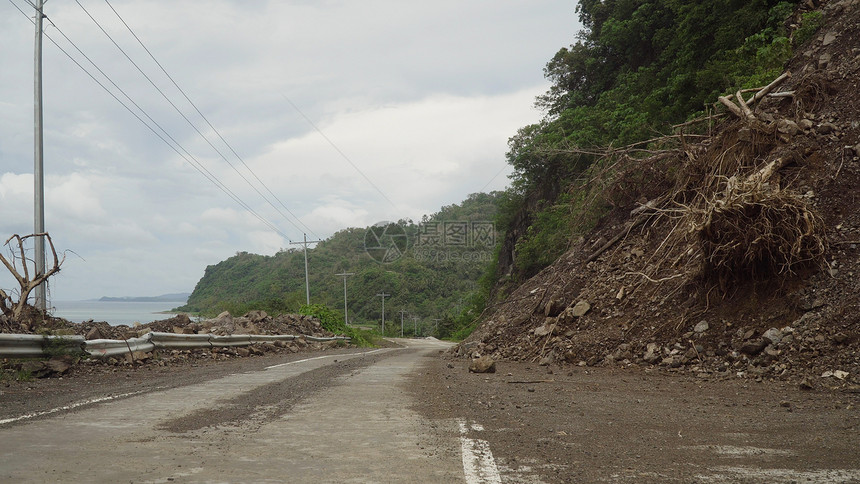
(26, 282)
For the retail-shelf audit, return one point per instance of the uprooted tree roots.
(752, 232)
(746, 226)
(735, 217)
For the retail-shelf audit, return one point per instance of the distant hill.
(181, 297)
(428, 268)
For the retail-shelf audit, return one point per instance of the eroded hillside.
(740, 256)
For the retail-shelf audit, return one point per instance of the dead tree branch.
(740, 107)
(26, 283)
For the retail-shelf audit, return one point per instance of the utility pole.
(437, 325)
(345, 275)
(307, 283)
(383, 296)
(38, 162)
(401, 322)
(414, 325)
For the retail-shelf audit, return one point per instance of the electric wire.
(202, 169)
(208, 123)
(341, 153)
(178, 146)
(179, 111)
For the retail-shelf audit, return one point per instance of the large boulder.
(483, 364)
(257, 315)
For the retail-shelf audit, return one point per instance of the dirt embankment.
(255, 322)
(746, 267)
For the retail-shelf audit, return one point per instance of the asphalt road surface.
(326, 418)
(412, 414)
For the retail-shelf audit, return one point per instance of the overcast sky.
(350, 112)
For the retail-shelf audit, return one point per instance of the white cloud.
(74, 197)
(417, 154)
(421, 97)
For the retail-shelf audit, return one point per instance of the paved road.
(330, 418)
(407, 415)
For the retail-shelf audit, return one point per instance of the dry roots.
(750, 233)
(737, 220)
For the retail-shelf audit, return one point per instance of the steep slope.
(710, 278)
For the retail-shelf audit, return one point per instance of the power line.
(202, 169)
(341, 153)
(179, 111)
(175, 84)
(199, 166)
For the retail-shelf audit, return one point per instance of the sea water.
(114, 312)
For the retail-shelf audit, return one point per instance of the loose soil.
(554, 425)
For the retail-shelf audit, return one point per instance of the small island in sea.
(176, 297)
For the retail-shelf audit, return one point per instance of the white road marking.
(321, 357)
(66, 407)
(114, 397)
(479, 467)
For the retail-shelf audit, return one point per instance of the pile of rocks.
(254, 322)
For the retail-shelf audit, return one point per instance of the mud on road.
(545, 424)
(101, 381)
(607, 425)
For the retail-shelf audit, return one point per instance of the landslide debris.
(254, 322)
(740, 261)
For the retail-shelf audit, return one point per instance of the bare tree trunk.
(25, 284)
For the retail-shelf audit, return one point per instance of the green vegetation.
(13, 370)
(333, 321)
(638, 68)
(810, 23)
(446, 254)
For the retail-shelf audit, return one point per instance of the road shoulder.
(546, 424)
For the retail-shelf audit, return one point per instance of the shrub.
(332, 320)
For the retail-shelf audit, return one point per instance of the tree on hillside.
(638, 68)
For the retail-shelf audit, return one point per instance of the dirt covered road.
(543, 424)
(416, 414)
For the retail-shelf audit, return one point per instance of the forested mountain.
(429, 268)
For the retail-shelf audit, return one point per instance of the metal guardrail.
(112, 347)
(323, 339)
(180, 341)
(36, 346)
(271, 338)
(231, 340)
